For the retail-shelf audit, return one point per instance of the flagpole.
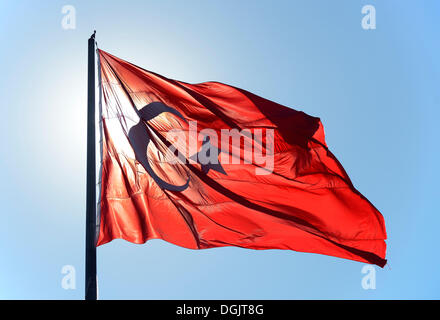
(90, 275)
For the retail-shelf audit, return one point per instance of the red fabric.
(306, 204)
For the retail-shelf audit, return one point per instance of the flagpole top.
(93, 35)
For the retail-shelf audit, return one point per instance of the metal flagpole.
(90, 276)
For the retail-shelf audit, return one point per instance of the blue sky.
(376, 92)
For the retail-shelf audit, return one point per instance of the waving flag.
(210, 165)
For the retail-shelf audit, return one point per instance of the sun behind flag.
(210, 165)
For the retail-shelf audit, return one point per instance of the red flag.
(210, 165)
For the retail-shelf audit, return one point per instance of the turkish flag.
(210, 165)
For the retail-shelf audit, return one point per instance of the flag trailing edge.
(166, 173)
